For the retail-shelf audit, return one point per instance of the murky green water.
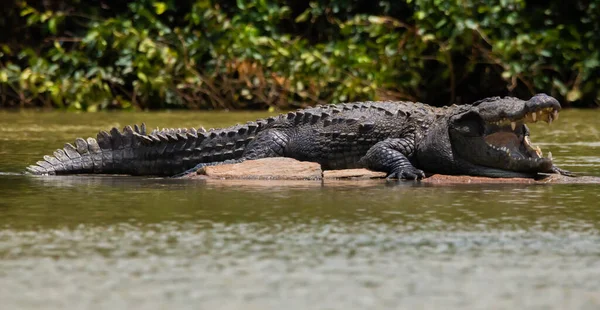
(144, 243)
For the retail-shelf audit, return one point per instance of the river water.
(85, 242)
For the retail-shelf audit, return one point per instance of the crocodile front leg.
(391, 156)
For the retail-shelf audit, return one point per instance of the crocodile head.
(491, 138)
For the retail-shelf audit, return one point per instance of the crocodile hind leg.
(269, 143)
(201, 165)
(391, 156)
(560, 171)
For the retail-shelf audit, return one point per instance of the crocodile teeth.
(534, 117)
(513, 125)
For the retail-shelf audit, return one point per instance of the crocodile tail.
(133, 151)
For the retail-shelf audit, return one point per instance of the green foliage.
(290, 53)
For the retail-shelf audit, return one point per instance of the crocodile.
(406, 140)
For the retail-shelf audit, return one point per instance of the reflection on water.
(130, 242)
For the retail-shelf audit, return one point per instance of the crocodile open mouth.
(511, 135)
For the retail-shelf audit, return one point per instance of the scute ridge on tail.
(134, 151)
(105, 154)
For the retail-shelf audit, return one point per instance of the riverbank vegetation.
(282, 54)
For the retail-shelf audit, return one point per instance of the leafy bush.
(261, 54)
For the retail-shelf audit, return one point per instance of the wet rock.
(266, 169)
(544, 179)
(282, 168)
(561, 179)
(353, 174)
(465, 179)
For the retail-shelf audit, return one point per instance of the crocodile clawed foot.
(407, 174)
(563, 172)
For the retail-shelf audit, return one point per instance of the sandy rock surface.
(353, 174)
(465, 179)
(280, 168)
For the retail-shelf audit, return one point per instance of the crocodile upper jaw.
(501, 140)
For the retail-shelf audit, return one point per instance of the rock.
(282, 168)
(440, 179)
(561, 179)
(465, 179)
(266, 169)
(353, 174)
